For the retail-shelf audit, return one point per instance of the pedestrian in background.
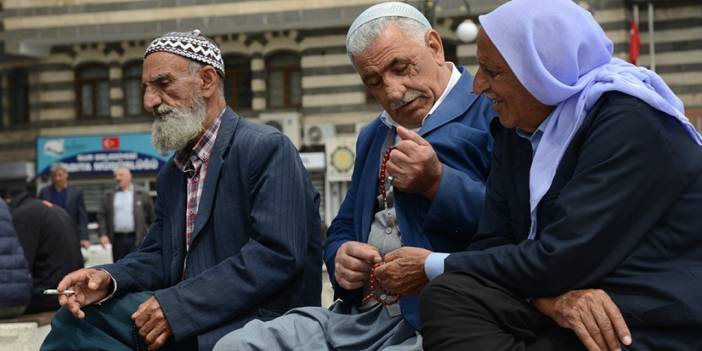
(70, 198)
(125, 214)
(47, 235)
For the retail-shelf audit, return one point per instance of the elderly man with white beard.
(237, 228)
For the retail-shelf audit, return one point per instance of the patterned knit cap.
(191, 45)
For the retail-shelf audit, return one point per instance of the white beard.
(174, 128)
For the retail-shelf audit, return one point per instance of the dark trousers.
(122, 244)
(466, 312)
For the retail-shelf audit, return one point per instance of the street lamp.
(467, 31)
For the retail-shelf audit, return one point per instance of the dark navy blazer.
(75, 206)
(624, 214)
(255, 250)
(458, 130)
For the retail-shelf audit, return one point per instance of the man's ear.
(210, 81)
(433, 42)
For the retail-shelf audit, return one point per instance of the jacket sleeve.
(457, 206)
(342, 228)
(624, 180)
(282, 201)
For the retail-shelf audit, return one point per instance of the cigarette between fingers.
(56, 292)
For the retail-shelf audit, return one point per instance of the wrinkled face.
(514, 104)
(59, 178)
(170, 93)
(404, 75)
(122, 178)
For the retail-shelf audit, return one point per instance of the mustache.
(409, 96)
(489, 95)
(162, 110)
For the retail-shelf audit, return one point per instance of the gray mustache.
(407, 98)
(162, 110)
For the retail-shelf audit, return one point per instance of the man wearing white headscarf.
(418, 183)
(592, 214)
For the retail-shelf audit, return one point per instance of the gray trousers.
(341, 328)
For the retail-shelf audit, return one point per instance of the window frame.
(14, 108)
(125, 80)
(93, 82)
(287, 72)
(237, 68)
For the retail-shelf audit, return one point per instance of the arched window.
(237, 84)
(133, 95)
(283, 80)
(93, 91)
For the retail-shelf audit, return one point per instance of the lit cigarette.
(56, 292)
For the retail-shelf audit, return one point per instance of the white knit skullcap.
(191, 45)
(387, 9)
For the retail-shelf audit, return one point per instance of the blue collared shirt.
(535, 137)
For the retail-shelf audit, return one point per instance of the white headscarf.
(563, 58)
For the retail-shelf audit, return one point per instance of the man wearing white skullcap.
(418, 185)
(236, 234)
(591, 230)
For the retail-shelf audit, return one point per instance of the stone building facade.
(73, 67)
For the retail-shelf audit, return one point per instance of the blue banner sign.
(99, 154)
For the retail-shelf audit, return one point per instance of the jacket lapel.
(175, 202)
(223, 141)
(459, 99)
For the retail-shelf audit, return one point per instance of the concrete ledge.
(41, 319)
(26, 332)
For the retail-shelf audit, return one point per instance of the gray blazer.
(143, 213)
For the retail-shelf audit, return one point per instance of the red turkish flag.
(110, 143)
(634, 42)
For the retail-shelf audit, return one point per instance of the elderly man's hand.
(353, 263)
(152, 323)
(90, 286)
(414, 166)
(403, 271)
(591, 314)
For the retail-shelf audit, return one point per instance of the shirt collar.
(535, 137)
(455, 77)
(130, 188)
(202, 149)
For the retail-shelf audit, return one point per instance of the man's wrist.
(113, 284)
(433, 189)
